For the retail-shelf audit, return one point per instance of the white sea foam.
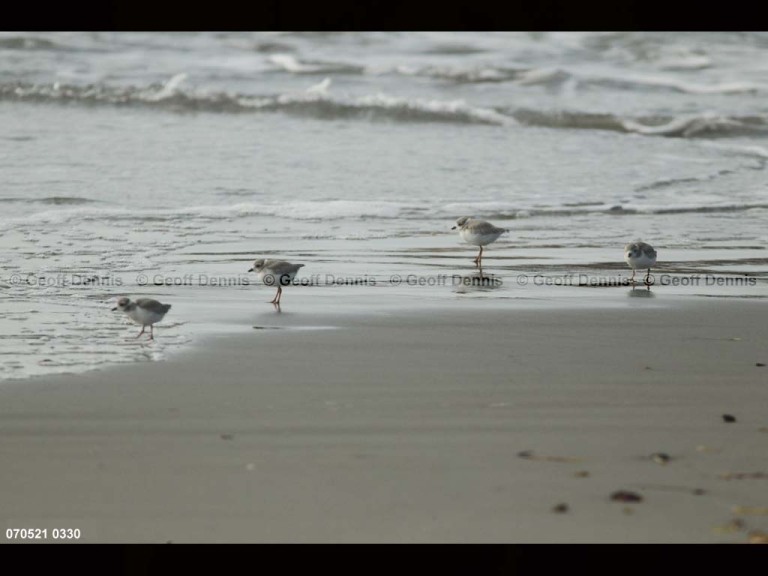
(684, 62)
(168, 90)
(289, 63)
(183, 218)
(685, 126)
(676, 84)
(320, 87)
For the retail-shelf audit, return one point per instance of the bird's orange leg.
(479, 258)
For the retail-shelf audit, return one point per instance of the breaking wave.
(527, 76)
(312, 103)
(328, 210)
(316, 102)
(705, 124)
(51, 200)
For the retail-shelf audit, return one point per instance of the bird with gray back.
(143, 311)
(478, 232)
(275, 273)
(640, 255)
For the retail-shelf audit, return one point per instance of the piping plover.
(640, 255)
(275, 273)
(144, 311)
(478, 232)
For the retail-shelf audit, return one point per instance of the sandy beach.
(448, 425)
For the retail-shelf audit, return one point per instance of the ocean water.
(162, 164)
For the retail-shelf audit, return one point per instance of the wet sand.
(449, 425)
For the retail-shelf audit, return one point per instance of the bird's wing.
(153, 305)
(281, 267)
(647, 250)
(482, 227)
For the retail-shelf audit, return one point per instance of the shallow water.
(163, 164)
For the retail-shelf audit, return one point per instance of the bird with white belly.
(143, 311)
(640, 255)
(478, 232)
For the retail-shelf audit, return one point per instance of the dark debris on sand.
(626, 496)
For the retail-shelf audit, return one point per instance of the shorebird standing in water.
(144, 311)
(275, 273)
(478, 232)
(640, 255)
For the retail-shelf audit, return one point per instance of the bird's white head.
(122, 303)
(632, 250)
(461, 222)
(258, 265)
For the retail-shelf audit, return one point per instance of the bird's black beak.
(453, 228)
(250, 270)
(115, 308)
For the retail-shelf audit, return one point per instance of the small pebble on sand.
(661, 458)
